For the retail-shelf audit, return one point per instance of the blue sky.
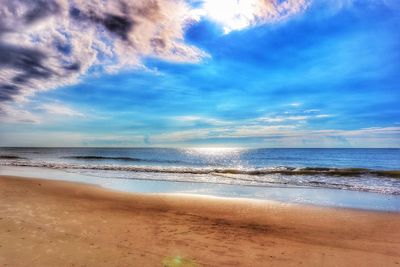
(326, 76)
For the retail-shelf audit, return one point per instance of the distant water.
(370, 170)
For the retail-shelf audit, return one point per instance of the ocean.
(366, 170)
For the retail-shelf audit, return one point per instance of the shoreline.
(59, 223)
(211, 198)
(315, 196)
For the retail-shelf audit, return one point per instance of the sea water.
(312, 175)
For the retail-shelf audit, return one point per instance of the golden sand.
(54, 223)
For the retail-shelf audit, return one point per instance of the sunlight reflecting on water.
(215, 151)
(218, 156)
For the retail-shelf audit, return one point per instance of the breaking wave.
(102, 158)
(309, 171)
(122, 159)
(10, 157)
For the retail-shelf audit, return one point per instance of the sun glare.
(231, 14)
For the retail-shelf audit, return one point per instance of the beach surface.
(56, 223)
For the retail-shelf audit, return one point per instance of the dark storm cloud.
(20, 65)
(7, 91)
(73, 67)
(20, 58)
(26, 63)
(116, 24)
(40, 9)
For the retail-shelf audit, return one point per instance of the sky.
(200, 73)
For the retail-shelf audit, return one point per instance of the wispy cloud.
(36, 113)
(295, 104)
(282, 118)
(199, 120)
(17, 114)
(286, 136)
(323, 116)
(311, 110)
(50, 43)
(60, 109)
(287, 117)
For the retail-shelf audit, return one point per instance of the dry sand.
(53, 223)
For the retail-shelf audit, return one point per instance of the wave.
(308, 171)
(10, 157)
(102, 158)
(126, 159)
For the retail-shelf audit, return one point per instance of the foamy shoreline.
(284, 194)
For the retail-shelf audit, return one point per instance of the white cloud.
(295, 104)
(282, 119)
(199, 119)
(323, 116)
(17, 114)
(311, 110)
(275, 119)
(59, 109)
(311, 114)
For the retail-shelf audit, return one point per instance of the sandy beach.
(54, 223)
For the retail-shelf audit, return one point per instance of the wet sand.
(55, 223)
